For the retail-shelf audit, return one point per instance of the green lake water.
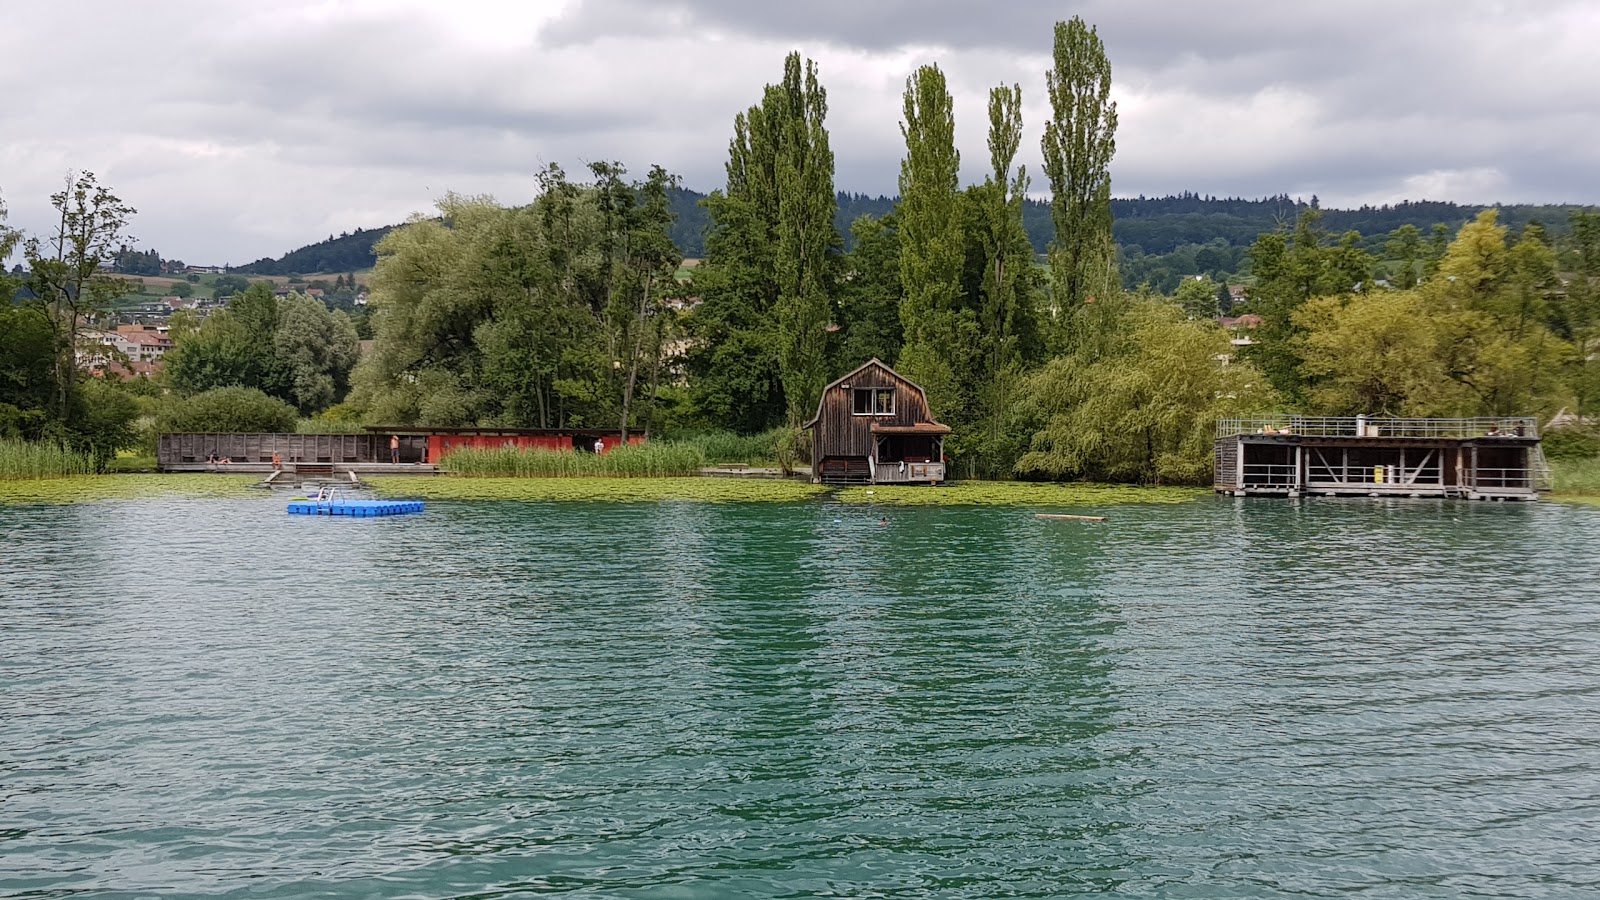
(1220, 699)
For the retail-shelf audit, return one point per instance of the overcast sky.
(246, 129)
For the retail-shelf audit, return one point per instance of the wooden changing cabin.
(873, 427)
(1291, 456)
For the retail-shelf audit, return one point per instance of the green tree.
(1144, 411)
(316, 349)
(1289, 269)
(870, 294)
(807, 242)
(1079, 142)
(1197, 297)
(228, 409)
(1006, 282)
(1373, 354)
(181, 289)
(231, 348)
(65, 275)
(940, 332)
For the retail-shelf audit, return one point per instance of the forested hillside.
(1159, 239)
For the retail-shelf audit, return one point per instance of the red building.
(424, 444)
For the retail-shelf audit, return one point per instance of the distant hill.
(1200, 234)
(346, 253)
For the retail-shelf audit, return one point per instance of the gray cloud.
(242, 131)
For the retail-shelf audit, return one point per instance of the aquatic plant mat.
(1020, 493)
(738, 490)
(89, 488)
(707, 490)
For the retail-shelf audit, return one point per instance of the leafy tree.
(181, 289)
(228, 285)
(806, 240)
(316, 349)
(1373, 354)
(758, 338)
(64, 271)
(1197, 297)
(1144, 411)
(27, 372)
(231, 348)
(1079, 141)
(1007, 284)
(1290, 268)
(940, 331)
(104, 422)
(870, 294)
(227, 409)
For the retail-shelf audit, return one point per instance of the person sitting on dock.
(1494, 431)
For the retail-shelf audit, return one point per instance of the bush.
(229, 409)
(634, 461)
(106, 422)
(1571, 443)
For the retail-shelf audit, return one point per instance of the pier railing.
(1361, 426)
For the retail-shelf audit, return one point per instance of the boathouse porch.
(1475, 459)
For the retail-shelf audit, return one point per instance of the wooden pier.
(1293, 456)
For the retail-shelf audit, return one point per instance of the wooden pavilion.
(1292, 456)
(873, 426)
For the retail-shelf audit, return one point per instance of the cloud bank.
(243, 130)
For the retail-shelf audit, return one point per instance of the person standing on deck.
(394, 448)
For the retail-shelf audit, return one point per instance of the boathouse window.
(874, 401)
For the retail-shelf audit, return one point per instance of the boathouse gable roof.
(891, 374)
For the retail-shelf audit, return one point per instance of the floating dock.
(361, 509)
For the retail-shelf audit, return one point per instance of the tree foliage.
(1079, 141)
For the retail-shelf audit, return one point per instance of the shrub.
(1571, 443)
(232, 409)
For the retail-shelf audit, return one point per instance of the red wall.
(440, 444)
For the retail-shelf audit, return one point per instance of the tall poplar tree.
(807, 242)
(1007, 255)
(1079, 141)
(938, 332)
(761, 336)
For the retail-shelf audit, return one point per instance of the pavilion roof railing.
(1365, 426)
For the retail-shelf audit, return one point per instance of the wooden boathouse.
(1293, 456)
(873, 426)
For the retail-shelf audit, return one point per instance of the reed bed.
(637, 461)
(599, 490)
(725, 447)
(29, 461)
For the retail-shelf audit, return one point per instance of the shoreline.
(701, 489)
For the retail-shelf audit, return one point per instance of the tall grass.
(1576, 477)
(725, 447)
(635, 461)
(26, 461)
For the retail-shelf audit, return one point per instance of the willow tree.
(1079, 141)
(938, 332)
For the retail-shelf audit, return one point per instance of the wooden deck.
(341, 471)
(1473, 459)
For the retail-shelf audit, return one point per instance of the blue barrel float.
(362, 509)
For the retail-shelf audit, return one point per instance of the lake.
(1219, 698)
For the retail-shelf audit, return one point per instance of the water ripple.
(1224, 699)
